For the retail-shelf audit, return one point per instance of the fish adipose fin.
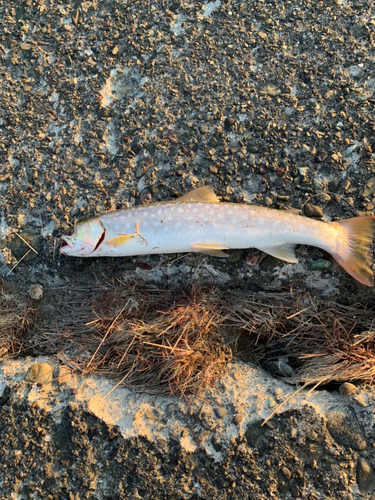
(204, 194)
(216, 250)
(283, 252)
(354, 253)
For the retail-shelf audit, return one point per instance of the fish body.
(197, 222)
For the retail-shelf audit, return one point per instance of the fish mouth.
(68, 244)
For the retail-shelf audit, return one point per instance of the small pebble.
(279, 368)
(270, 402)
(312, 210)
(286, 472)
(320, 156)
(346, 389)
(201, 437)
(229, 122)
(63, 375)
(36, 292)
(318, 264)
(238, 419)
(365, 476)
(360, 400)
(220, 412)
(39, 373)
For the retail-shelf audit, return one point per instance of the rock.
(305, 148)
(286, 472)
(19, 248)
(369, 190)
(345, 428)
(320, 156)
(269, 262)
(365, 476)
(238, 419)
(220, 412)
(312, 210)
(144, 197)
(213, 142)
(346, 389)
(267, 201)
(270, 89)
(139, 172)
(345, 185)
(201, 437)
(203, 129)
(150, 147)
(36, 292)
(279, 368)
(270, 403)
(255, 431)
(63, 375)
(228, 123)
(318, 264)
(333, 186)
(251, 160)
(360, 400)
(323, 198)
(128, 266)
(39, 373)
(235, 256)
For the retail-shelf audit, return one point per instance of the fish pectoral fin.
(204, 194)
(208, 249)
(283, 252)
(119, 240)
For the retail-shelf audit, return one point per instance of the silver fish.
(197, 222)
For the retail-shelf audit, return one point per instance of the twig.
(21, 259)
(26, 243)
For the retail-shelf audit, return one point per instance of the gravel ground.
(107, 104)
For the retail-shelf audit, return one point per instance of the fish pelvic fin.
(283, 252)
(204, 194)
(354, 253)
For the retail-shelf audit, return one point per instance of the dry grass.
(15, 317)
(153, 340)
(178, 341)
(325, 341)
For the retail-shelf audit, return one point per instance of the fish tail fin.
(354, 253)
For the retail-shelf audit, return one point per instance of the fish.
(199, 222)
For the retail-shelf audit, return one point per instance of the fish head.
(87, 237)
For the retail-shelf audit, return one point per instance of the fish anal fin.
(282, 252)
(209, 249)
(204, 194)
(118, 240)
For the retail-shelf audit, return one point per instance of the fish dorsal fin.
(204, 194)
(283, 252)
